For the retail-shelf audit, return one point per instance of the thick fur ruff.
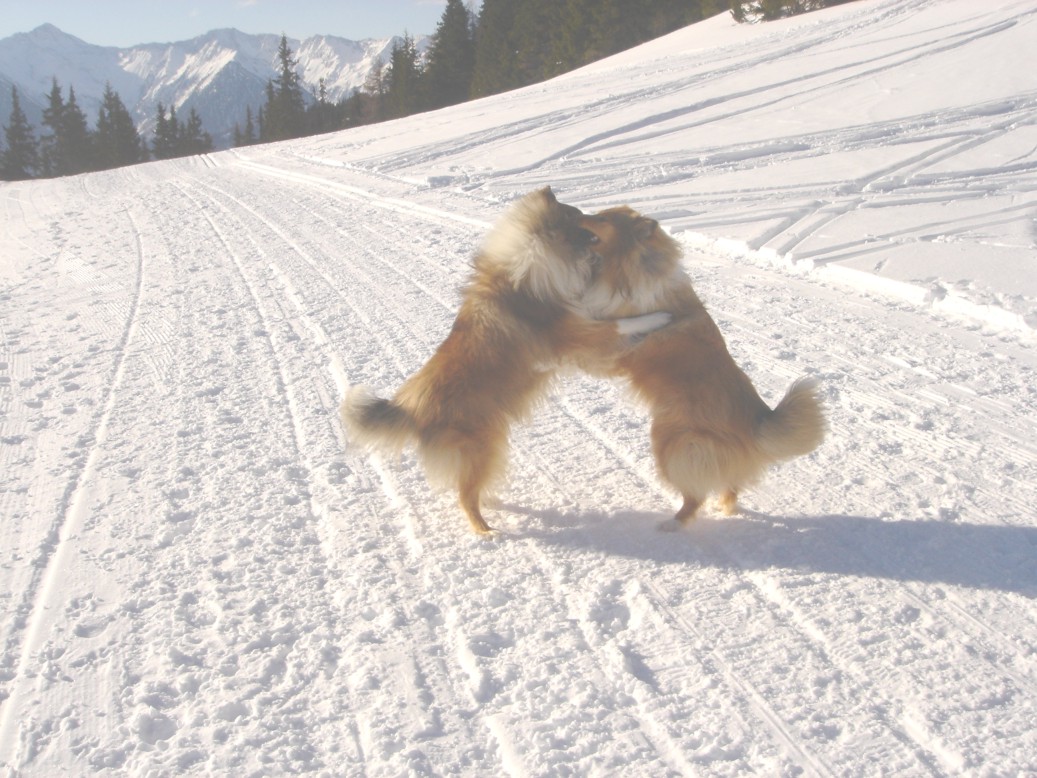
(711, 432)
(515, 327)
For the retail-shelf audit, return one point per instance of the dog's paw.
(641, 325)
(491, 535)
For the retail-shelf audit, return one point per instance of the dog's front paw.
(641, 325)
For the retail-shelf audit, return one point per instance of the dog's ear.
(549, 195)
(644, 227)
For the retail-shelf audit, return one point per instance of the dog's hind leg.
(479, 467)
(470, 497)
(687, 512)
(465, 463)
(678, 459)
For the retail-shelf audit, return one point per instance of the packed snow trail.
(224, 584)
(200, 575)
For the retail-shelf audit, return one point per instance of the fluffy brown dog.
(711, 432)
(514, 328)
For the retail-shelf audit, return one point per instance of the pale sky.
(127, 22)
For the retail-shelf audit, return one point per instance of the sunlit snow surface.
(198, 575)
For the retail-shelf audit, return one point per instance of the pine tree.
(268, 116)
(403, 95)
(159, 145)
(571, 40)
(66, 149)
(77, 141)
(192, 138)
(20, 160)
(497, 49)
(371, 99)
(246, 137)
(51, 161)
(165, 143)
(536, 24)
(451, 58)
(615, 27)
(284, 115)
(321, 116)
(117, 141)
(250, 127)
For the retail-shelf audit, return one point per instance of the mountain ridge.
(219, 73)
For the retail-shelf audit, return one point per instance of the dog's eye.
(588, 237)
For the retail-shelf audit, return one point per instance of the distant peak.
(49, 32)
(225, 33)
(48, 29)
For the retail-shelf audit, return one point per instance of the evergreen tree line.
(508, 44)
(285, 113)
(174, 138)
(67, 146)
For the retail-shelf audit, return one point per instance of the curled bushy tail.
(796, 426)
(373, 421)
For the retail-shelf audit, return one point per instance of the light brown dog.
(515, 327)
(711, 432)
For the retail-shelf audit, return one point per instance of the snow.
(200, 576)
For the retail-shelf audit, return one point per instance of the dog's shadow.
(976, 556)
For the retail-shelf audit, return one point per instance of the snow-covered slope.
(198, 575)
(219, 74)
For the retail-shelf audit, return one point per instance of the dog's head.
(635, 257)
(542, 246)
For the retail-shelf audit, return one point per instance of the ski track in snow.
(201, 575)
(39, 595)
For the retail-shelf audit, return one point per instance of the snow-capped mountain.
(219, 74)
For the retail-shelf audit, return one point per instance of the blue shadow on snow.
(976, 556)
